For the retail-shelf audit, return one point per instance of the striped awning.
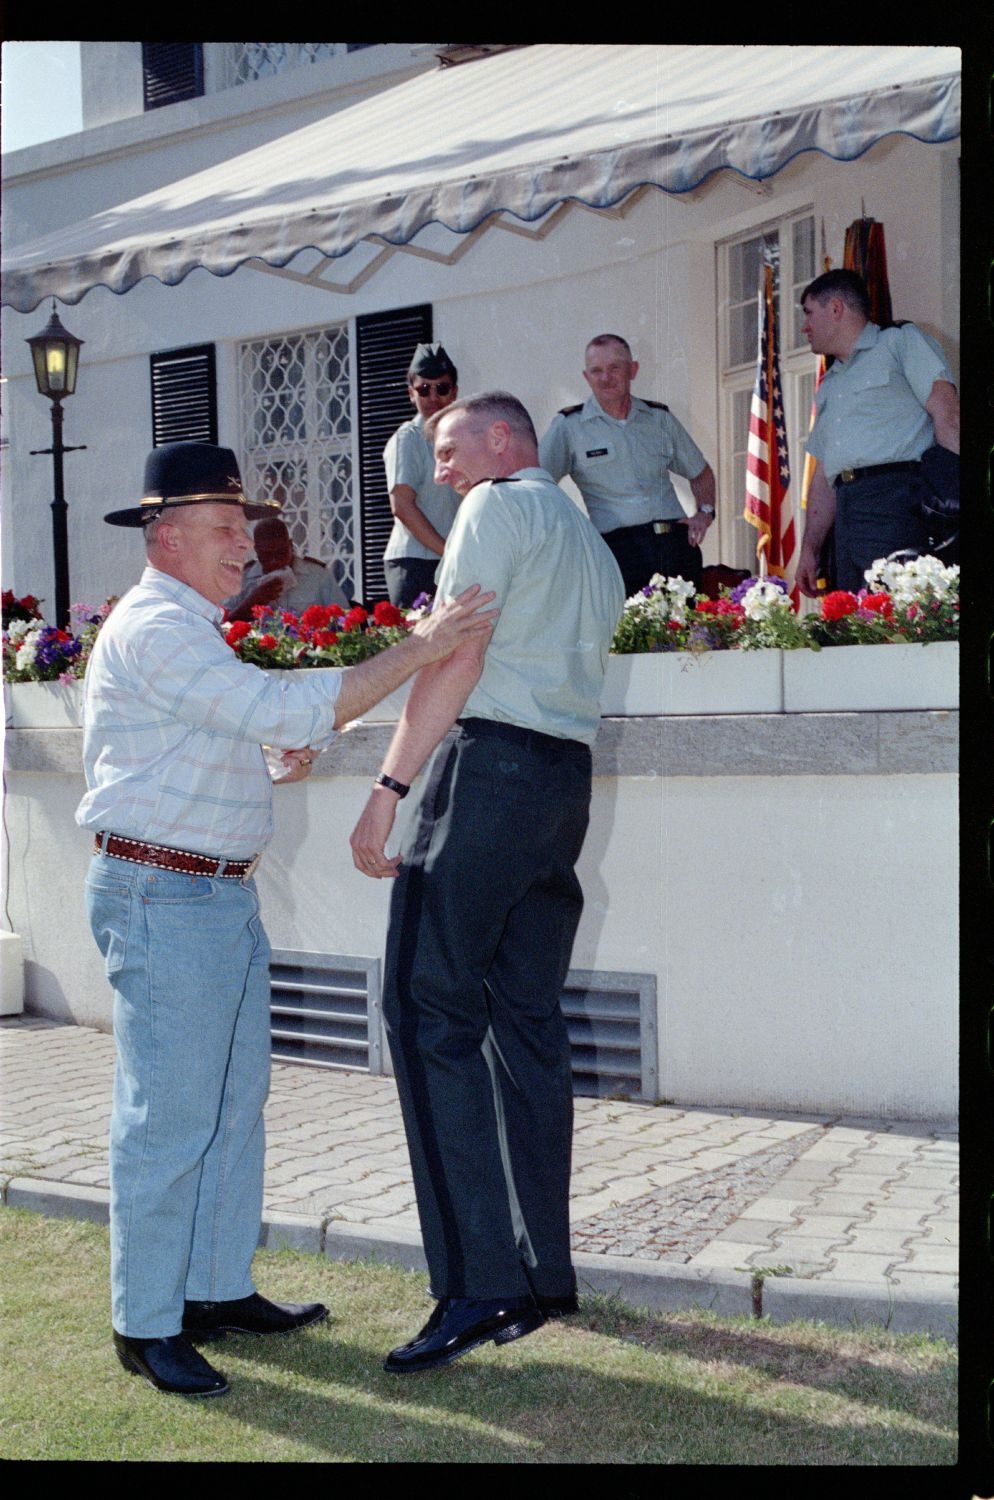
(517, 132)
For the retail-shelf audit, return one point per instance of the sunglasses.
(434, 387)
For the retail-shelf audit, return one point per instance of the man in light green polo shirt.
(486, 901)
(886, 401)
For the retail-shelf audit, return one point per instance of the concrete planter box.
(43, 705)
(854, 678)
(690, 682)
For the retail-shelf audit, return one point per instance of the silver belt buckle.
(662, 528)
(847, 475)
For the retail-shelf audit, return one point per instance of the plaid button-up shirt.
(174, 724)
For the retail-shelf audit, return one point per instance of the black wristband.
(391, 785)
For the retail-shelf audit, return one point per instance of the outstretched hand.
(457, 622)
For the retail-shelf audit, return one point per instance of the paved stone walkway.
(842, 1218)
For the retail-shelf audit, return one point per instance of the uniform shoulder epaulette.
(568, 411)
(659, 405)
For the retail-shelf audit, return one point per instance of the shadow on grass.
(509, 1406)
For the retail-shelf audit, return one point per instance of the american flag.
(767, 505)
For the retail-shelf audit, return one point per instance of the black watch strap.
(391, 785)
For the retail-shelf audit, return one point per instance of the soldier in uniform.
(423, 510)
(886, 403)
(620, 451)
(486, 900)
(280, 577)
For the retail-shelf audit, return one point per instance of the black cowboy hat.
(190, 474)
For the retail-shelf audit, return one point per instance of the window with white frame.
(789, 245)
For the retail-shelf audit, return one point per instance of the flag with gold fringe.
(768, 505)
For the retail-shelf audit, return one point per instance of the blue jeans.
(188, 961)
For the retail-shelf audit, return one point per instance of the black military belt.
(517, 734)
(163, 858)
(846, 476)
(649, 528)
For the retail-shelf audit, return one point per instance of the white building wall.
(513, 313)
(783, 981)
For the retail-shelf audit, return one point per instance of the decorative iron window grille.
(297, 439)
(248, 61)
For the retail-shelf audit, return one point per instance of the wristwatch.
(391, 785)
(705, 510)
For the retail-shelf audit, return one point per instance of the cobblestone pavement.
(856, 1216)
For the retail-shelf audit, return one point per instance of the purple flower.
(55, 646)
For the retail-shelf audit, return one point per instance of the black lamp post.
(55, 352)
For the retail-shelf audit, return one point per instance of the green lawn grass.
(610, 1386)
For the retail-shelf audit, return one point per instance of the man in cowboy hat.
(423, 510)
(179, 799)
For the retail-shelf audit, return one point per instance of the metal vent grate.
(612, 1031)
(326, 1013)
(326, 1010)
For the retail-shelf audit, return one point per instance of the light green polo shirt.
(560, 595)
(870, 408)
(409, 459)
(621, 466)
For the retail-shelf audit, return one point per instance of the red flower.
(356, 618)
(317, 616)
(259, 611)
(386, 613)
(837, 605)
(336, 610)
(673, 625)
(289, 618)
(878, 604)
(237, 631)
(268, 642)
(325, 637)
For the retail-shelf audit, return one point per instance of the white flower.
(919, 581)
(27, 650)
(764, 600)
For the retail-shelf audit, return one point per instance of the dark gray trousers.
(874, 517)
(482, 922)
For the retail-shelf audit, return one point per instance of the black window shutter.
(172, 71)
(385, 344)
(184, 396)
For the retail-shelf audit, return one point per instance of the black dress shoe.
(253, 1314)
(459, 1324)
(171, 1364)
(559, 1307)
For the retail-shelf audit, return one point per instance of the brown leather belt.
(139, 853)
